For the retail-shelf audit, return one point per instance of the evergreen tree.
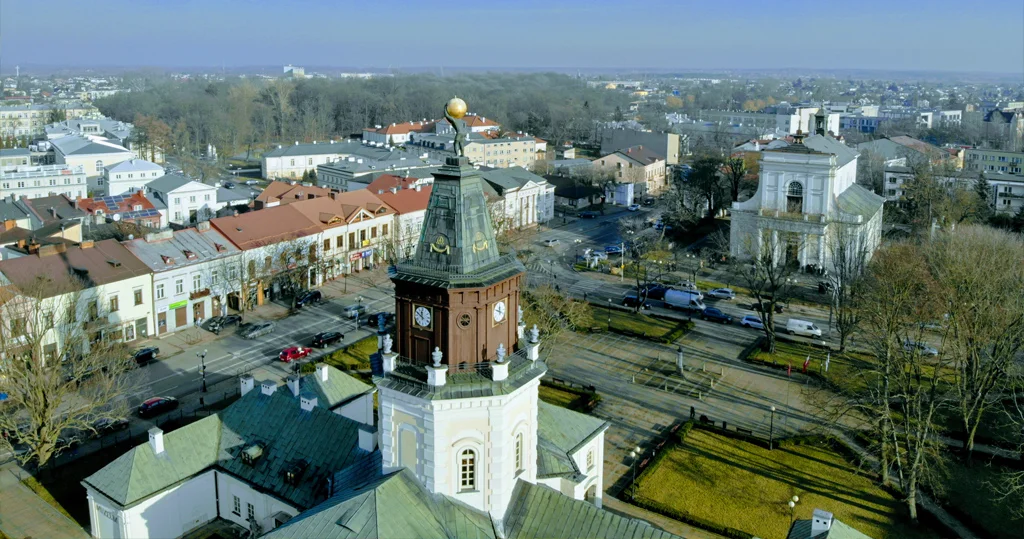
(618, 114)
(305, 175)
(983, 191)
(1018, 220)
(312, 176)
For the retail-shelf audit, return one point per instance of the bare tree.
(984, 316)
(849, 253)
(554, 312)
(706, 183)
(734, 170)
(64, 366)
(644, 252)
(767, 271)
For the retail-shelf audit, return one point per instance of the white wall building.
(186, 201)
(526, 199)
(93, 154)
(806, 192)
(37, 181)
(130, 176)
(193, 272)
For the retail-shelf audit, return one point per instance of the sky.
(918, 35)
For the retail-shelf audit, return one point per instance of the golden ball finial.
(456, 107)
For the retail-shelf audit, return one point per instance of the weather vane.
(454, 110)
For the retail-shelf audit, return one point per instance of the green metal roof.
(327, 442)
(140, 473)
(540, 511)
(395, 505)
(554, 462)
(856, 200)
(338, 389)
(565, 429)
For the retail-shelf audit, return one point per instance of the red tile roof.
(405, 128)
(386, 181)
(90, 205)
(55, 272)
(408, 200)
(255, 229)
(286, 193)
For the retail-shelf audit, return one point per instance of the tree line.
(238, 114)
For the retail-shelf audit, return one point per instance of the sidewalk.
(23, 514)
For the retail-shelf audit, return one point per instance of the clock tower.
(458, 400)
(458, 294)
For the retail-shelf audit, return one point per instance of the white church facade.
(807, 200)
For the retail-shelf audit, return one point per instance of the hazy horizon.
(909, 36)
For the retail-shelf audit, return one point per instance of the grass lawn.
(355, 356)
(41, 491)
(846, 369)
(639, 325)
(747, 487)
(556, 396)
(973, 491)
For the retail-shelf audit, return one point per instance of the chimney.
(156, 440)
(203, 226)
(367, 438)
(321, 372)
(9, 224)
(821, 522)
(333, 195)
(394, 189)
(419, 187)
(246, 383)
(293, 384)
(267, 387)
(53, 212)
(87, 244)
(307, 402)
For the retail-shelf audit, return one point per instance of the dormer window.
(252, 453)
(189, 255)
(293, 473)
(167, 259)
(220, 248)
(137, 207)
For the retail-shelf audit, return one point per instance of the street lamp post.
(202, 369)
(609, 314)
(771, 431)
(792, 509)
(576, 250)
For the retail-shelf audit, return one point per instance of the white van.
(803, 328)
(684, 299)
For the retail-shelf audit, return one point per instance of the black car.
(588, 215)
(649, 202)
(104, 426)
(146, 355)
(308, 297)
(759, 308)
(654, 291)
(218, 323)
(371, 319)
(229, 185)
(321, 340)
(631, 300)
(157, 405)
(715, 315)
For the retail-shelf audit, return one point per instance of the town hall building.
(462, 446)
(807, 200)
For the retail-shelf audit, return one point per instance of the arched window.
(467, 470)
(519, 452)
(795, 198)
(99, 165)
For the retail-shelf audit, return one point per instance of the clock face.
(422, 317)
(499, 311)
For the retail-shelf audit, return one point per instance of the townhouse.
(129, 176)
(93, 154)
(987, 160)
(637, 165)
(131, 208)
(410, 205)
(92, 291)
(183, 200)
(193, 272)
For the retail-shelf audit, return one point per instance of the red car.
(294, 353)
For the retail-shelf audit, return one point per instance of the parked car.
(218, 323)
(294, 353)
(803, 328)
(156, 406)
(633, 207)
(324, 338)
(594, 253)
(228, 185)
(255, 330)
(252, 182)
(760, 308)
(613, 249)
(631, 300)
(922, 348)
(106, 426)
(146, 355)
(752, 321)
(722, 293)
(551, 242)
(685, 300)
(715, 315)
(588, 215)
(308, 297)
(353, 311)
(649, 202)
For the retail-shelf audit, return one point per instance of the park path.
(23, 514)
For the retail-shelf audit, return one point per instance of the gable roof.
(256, 229)
(508, 179)
(44, 208)
(119, 204)
(134, 165)
(826, 144)
(641, 154)
(81, 145)
(566, 429)
(408, 200)
(338, 389)
(472, 120)
(326, 441)
(169, 183)
(286, 193)
(542, 512)
(856, 200)
(801, 529)
(105, 262)
(404, 128)
(341, 208)
(393, 505)
(167, 250)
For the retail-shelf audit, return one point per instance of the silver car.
(257, 330)
(722, 293)
(922, 348)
